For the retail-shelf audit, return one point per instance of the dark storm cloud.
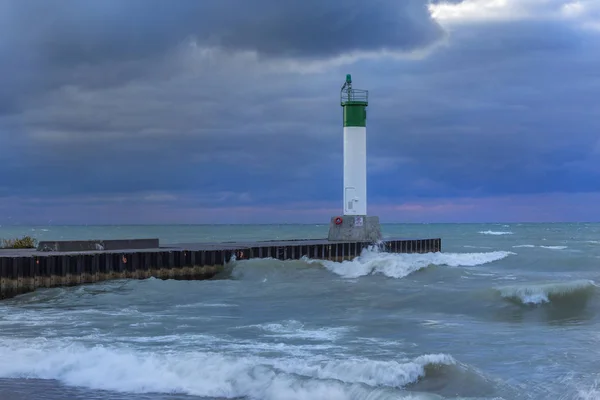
(43, 44)
(80, 31)
(96, 44)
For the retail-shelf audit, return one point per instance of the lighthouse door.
(349, 200)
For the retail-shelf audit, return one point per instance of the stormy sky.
(227, 111)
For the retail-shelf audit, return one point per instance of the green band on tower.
(355, 114)
(354, 102)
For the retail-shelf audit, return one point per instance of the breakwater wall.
(23, 271)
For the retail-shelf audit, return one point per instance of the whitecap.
(296, 330)
(205, 305)
(539, 293)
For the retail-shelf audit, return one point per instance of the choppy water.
(506, 311)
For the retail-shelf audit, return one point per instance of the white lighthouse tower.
(354, 224)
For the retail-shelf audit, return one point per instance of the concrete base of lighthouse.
(355, 228)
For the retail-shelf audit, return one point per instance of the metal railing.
(354, 95)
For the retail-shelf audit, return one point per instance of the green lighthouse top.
(354, 102)
(351, 96)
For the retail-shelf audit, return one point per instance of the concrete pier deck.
(25, 270)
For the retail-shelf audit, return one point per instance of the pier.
(70, 263)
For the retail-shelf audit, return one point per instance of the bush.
(26, 242)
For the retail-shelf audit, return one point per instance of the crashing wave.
(208, 374)
(395, 265)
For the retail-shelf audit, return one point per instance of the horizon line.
(296, 224)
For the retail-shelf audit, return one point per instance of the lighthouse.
(353, 223)
(354, 103)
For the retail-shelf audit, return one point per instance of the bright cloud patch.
(477, 10)
(587, 12)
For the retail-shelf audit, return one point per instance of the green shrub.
(26, 242)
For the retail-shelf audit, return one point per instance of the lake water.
(506, 311)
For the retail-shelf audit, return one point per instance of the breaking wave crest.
(218, 375)
(553, 292)
(554, 247)
(393, 265)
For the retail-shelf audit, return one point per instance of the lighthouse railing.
(349, 96)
